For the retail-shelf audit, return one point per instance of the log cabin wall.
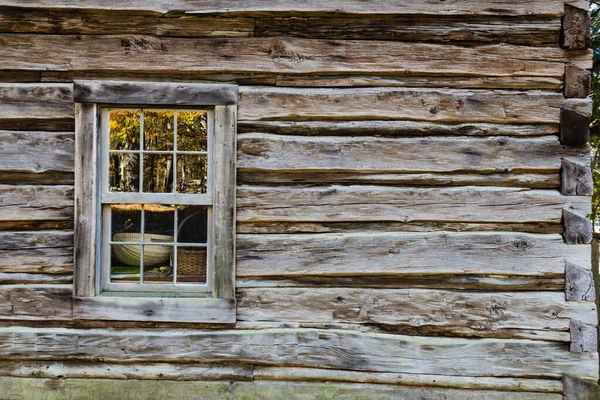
(413, 182)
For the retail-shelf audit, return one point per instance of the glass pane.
(159, 221)
(158, 130)
(126, 219)
(123, 172)
(191, 265)
(124, 129)
(125, 263)
(192, 173)
(192, 224)
(157, 261)
(191, 131)
(158, 173)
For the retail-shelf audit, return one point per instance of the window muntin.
(156, 200)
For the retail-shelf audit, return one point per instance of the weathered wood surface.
(576, 177)
(576, 28)
(532, 31)
(584, 337)
(28, 202)
(36, 157)
(33, 302)
(331, 349)
(578, 228)
(578, 82)
(579, 283)
(31, 106)
(384, 203)
(507, 179)
(453, 282)
(458, 7)
(46, 252)
(579, 389)
(281, 55)
(406, 254)
(268, 152)
(73, 389)
(34, 279)
(458, 382)
(574, 127)
(418, 311)
(450, 105)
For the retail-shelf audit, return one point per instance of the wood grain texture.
(576, 28)
(584, 337)
(33, 302)
(31, 203)
(381, 203)
(46, 252)
(418, 311)
(281, 55)
(578, 82)
(576, 178)
(579, 389)
(371, 254)
(574, 127)
(259, 152)
(578, 229)
(450, 105)
(34, 279)
(458, 7)
(72, 389)
(579, 283)
(331, 349)
(394, 128)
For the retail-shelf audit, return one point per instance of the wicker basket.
(129, 254)
(191, 263)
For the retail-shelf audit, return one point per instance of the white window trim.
(89, 302)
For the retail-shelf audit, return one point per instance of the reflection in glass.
(158, 130)
(158, 173)
(191, 173)
(124, 129)
(191, 131)
(123, 172)
(191, 265)
(192, 224)
(126, 218)
(157, 262)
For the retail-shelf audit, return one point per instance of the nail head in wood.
(576, 178)
(584, 338)
(578, 82)
(577, 229)
(579, 283)
(575, 29)
(574, 127)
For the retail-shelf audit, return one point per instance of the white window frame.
(94, 297)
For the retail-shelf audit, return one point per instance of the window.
(154, 201)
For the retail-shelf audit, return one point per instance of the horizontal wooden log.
(457, 382)
(30, 203)
(384, 203)
(584, 337)
(263, 227)
(94, 22)
(71, 389)
(576, 178)
(534, 181)
(576, 28)
(34, 279)
(394, 128)
(578, 82)
(281, 55)
(37, 156)
(417, 311)
(579, 283)
(406, 254)
(450, 105)
(259, 152)
(331, 349)
(399, 80)
(460, 7)
(453, 282)
(29, 302)
(524, 30)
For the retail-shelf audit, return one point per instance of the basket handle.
(185, 220)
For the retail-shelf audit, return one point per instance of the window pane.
(191, 131)
(123, 172)
(191, 265)
(126, 218)
(159, 220)
(124, 129)
(192, 173)
(125, 262)
(158, 130)
(158, 173)
(157, 261)
(192, 224)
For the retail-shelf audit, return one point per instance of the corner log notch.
(576, 29)
(574, 128)
(578, 229)
(576, 178)
(578, 82)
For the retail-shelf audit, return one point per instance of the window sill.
(151, 309)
